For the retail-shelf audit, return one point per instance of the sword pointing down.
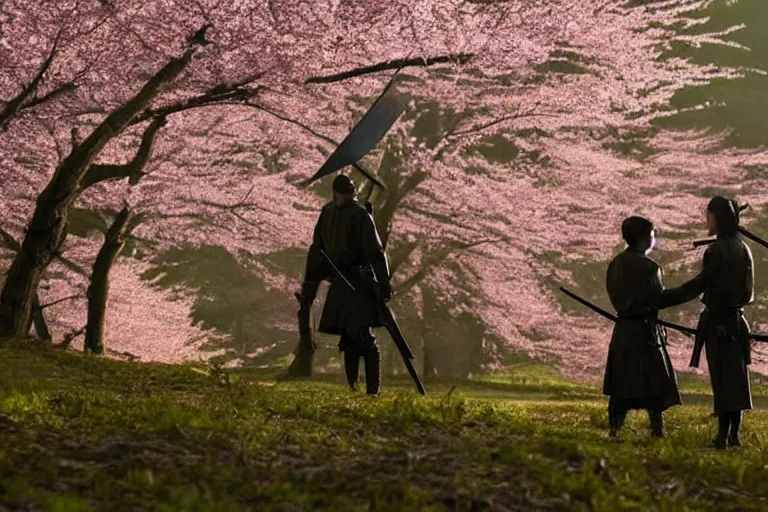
(390, 323)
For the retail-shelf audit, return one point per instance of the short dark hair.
(726, 214)
(344, 185)
(635, 228)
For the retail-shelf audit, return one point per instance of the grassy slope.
(80, 432)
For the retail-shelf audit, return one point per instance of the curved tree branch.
(132, 170)
(460, 58)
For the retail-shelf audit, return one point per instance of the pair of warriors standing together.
(346, 249)
(639, 373)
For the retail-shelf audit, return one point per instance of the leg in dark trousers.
(351, 359)
(733, 438)
(723, 422)
(372, 357)
(617, 413)
(657, 422)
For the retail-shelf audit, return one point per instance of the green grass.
(83, 433)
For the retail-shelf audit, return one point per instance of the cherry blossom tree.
(530, 134)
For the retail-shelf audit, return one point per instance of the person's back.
(344, 239)
(732, 285)
(627, 283)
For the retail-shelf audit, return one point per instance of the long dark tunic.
(727, 283)
(638, 372)
(348, 235)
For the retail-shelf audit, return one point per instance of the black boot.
(733, 438)
(657, 422)
(723, 422)
(351, 365)
(373, 369)
(616, 416)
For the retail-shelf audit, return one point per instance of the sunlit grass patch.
(83, 433)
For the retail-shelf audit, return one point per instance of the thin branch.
(11, 243)
(231, 208)
(14, 105)
(59, 301)
(461, 58)
(55, 93)
(237, 92)
(69, 337)
(500, 120)
(246, 195)
(437, 257)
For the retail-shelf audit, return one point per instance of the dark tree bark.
(41, 326)
(460, 58)
(98, 291)
(304, 355)
(429, 366)
(48, 227)
(133, 169)
(38, 320)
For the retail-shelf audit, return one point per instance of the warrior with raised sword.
(347, 251)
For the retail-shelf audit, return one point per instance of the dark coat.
(639, 371)
(727, 283)
(348, 235)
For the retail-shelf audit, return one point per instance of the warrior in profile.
(727, 283)
(639, 372)
(346, 249)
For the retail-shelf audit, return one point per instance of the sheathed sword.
(686, 330)
(390, 323)
(610, 316)
(743, 231)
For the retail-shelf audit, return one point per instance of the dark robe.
(348, 235)
(727, 283)
(639, 372)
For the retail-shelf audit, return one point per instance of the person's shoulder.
(358, 209)
(650, 263)
(716, 248)
(635, 260)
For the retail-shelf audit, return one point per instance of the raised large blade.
(366, 134)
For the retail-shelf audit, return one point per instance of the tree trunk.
(240, 341)
(429, 360)
(304, 355)
(38, 320)
(98, 291)
(48, 227)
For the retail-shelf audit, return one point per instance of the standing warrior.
(727, 284)
(346, 235)
(639, 372)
